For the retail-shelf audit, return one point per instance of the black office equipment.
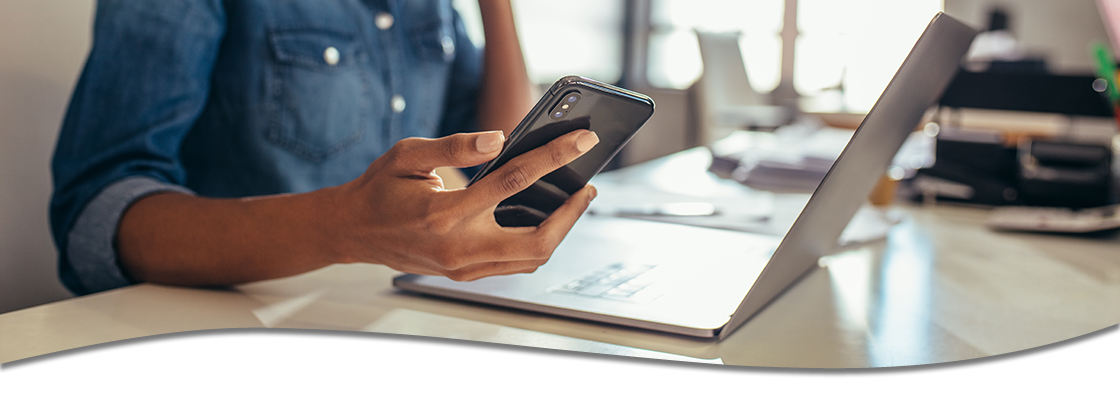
(999, 172)
(1044, 93)
(1064, 174)
(979, 161)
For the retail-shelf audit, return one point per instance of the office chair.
(723, 97)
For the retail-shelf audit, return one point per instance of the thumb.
(458, 150)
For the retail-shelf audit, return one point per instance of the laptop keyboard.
(616, 281)
(636, 282)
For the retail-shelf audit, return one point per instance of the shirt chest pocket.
(318, 96)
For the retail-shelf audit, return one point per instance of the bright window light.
(675, 56)
(557, 42)
(861, 42)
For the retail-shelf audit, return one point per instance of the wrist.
(332, 224)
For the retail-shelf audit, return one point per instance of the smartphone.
(572, 103)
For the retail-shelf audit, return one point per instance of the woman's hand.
(399, 214)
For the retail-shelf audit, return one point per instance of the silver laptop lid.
(920, 80)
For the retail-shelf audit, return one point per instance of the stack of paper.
(794, 158)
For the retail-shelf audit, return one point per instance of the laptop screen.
(920, 80)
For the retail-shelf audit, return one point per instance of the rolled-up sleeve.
(91, 240)
(144, 84)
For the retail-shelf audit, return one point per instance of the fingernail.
(489, 142)
(586, 141)
(594, 192)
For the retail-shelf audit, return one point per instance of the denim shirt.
(243, 98)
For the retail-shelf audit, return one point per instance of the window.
(558, 42)
(857, 43)
(674, 57)
(845, 53)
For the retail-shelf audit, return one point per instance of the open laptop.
(706, 282)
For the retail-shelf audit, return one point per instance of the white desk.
(941, 288)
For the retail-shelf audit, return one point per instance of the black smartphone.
(572, 103)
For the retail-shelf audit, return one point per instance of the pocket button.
(383, 21)
(398, 103)
(330, 55)
(448, 45)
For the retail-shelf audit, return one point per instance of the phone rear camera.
(567, 103)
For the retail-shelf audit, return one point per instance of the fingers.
(506, 251)
(556, 227)
(474, 246)
(482, 270)
(523, 170)
(572, 209)
(508, 245)
(458, 150)
(477, 270)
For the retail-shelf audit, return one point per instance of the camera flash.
(564, 106)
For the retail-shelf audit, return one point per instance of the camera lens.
(572, 99)
(558, 114)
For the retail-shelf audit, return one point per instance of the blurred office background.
(845, 51)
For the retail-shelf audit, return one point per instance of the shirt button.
(398, 103)
(330, 55)
(448, 45)
(383, 20)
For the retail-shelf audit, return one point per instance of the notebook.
(706, 282)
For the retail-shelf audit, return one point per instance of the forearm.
(179, 239)
(507, 94)
(397, 213)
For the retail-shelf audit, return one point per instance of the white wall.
(43, 44)
(1062, 29)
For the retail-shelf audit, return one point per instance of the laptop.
(706, 282)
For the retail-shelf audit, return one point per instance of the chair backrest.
(725, 80)
(723, 97)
